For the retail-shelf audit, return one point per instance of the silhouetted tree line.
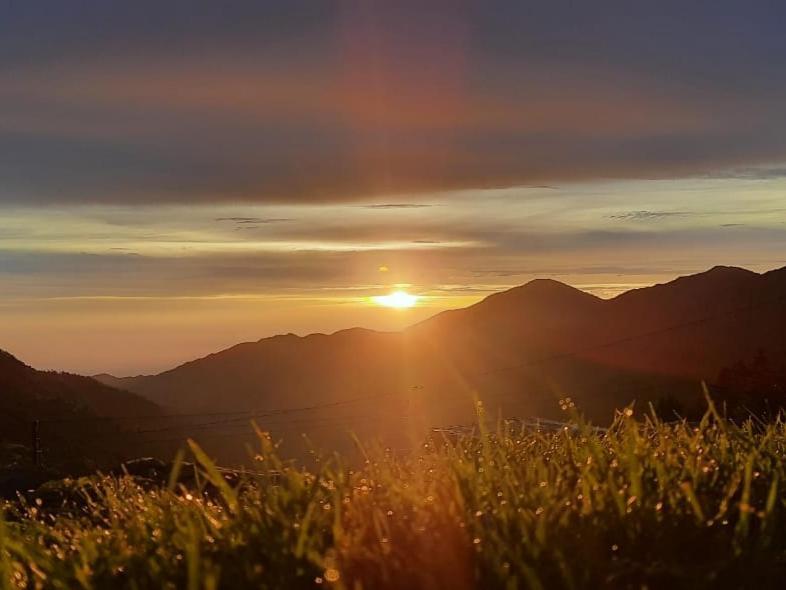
(743, 390)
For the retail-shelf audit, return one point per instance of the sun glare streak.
(397, 299)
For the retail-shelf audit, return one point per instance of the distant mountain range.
(519, 351)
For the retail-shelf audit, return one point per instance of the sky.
(178, 177)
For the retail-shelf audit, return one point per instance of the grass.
(645, 504)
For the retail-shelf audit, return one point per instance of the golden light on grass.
(397, 299)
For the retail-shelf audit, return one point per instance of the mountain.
(50, 394)
(72, 411)
(722, 316)
(520, 351)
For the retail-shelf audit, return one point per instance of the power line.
(243, 421)
(240, 414)
(248, 433)
(194, 428)
(618, 342)
(281, 412)
(143, 417)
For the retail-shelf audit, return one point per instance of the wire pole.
(36, 443)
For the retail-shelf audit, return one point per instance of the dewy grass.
(644, 504)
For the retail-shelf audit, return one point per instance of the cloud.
(751, 173)
(255, 220)
(499, 254)
(647, 215)
(292, 102)
(397, 206)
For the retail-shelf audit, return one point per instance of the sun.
(397, 299)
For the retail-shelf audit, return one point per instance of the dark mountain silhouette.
(725, 315)
(67, 406)
(520, 351)
(55, 394)
(58, 394)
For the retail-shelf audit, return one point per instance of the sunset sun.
(397, 299)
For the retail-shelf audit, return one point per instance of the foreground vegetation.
(643, 504)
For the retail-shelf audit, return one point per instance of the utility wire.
(627, 339)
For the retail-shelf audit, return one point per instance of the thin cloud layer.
(302, 102)
(647, 215)
(181, 250)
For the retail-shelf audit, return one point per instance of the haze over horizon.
(175, 185)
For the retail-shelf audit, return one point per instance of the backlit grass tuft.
(644, 504)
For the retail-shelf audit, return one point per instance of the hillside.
(521, 350)
(62, 393)
(70, 409)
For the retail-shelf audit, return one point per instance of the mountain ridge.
(543, 286)
(540, 319)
